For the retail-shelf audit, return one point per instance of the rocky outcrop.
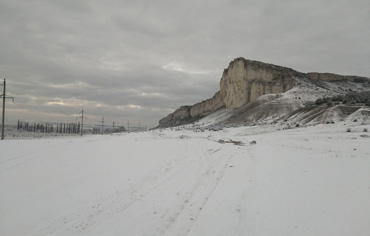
(246, 80)
(205, 107)
(334, 77)
(178, 115)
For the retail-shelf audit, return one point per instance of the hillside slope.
(257, 91)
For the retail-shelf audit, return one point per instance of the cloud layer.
(139, 60)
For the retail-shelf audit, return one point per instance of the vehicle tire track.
(203, 166)
(82, 220)
(213, 168)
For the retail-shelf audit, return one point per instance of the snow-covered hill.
(303, 181)
(297, 105)
(256, 92)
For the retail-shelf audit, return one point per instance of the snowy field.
(304, 181)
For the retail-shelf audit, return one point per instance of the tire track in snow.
(12, 162)
(22, 159)
(205, 166)
(17, 157)
(213, 168)
(82, 220)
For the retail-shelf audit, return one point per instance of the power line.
(3, 119)
(82, 121)
(102, 126)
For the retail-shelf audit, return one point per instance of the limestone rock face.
(181, 113)
(233, 84)
(333, 77)
(244, 81)
(205, 107)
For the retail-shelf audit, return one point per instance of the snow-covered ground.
(304, 181)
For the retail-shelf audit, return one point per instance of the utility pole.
(113, 127)
(128, 125)
(102, 126)
(82, 122)
(3, 119)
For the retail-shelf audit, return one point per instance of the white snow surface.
(305, 181)
(214, 118)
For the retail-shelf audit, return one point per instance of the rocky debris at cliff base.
(239, 143)
(253, 142)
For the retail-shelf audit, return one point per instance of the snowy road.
(313, 181)
(146, 185)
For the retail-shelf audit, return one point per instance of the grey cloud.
(158, 55)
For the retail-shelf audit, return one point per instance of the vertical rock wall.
(242, 82)
(206, 107)
(181, 113)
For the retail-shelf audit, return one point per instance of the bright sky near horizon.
(139, 60)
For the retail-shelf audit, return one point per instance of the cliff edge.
(244, 81)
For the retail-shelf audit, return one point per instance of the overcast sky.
(139, 60)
